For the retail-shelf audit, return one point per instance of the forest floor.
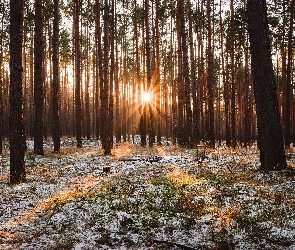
(165, 197)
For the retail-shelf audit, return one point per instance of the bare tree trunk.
(87, 116)
(222, 51)
(117, 98)
(282, 97)
(98, 68)
(288, 80)
(174, 116)
(124, 94)
(157, 73)
(148, 74)
(195, 118)
(38, 79)
(201, 70)
(1, 86)
(247, 103)
(55, 80)
(137, 72)
(78, 111)
(187, 122)
(29, 111)
(270, 137)
(233, 84)
(17, 133)
(180, 85)
(210, 80)
(112, 74)
(105, 111)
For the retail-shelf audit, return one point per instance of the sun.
(146, 97)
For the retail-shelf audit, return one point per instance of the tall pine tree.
(270, 136)
(16, 125)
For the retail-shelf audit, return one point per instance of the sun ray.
(146, 97)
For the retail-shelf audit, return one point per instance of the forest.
(141, 48)
(154, 124)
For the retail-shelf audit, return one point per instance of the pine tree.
(16, 124)
(56, 79)
(270, 137)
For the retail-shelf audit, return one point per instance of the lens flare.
(146, 97)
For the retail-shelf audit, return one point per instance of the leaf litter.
(165, 197)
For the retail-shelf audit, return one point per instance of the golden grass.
(180, 178)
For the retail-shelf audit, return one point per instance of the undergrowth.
(219, 208)
(202, 204)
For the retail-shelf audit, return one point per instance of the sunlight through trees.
(95, 59)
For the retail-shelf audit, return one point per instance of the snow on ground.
(153, 198)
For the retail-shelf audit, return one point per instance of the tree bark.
(105, 109)
(87, 116)
(17, 147)
(1, 87)
(210, 73)
(56, 79)
(157, 77)
(180, 86)
(117, 97)
(78, 110)
(288, 80)
(38, 79)
(112, 74)
(195, 117)
(98, 68)
(270, 137)
(233, 83)
(186, 81)
(149, 88)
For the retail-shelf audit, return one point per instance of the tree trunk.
(87, 114)
(149, 87)
(158, 83)
(143, 118)
(186, 81)
(195, 118)
(124, 91)
(29, 112)
(210, 80)
(55, 80)
(137, 72)
(1, 112)
(180, 86)
(270, 137)
(78, 110)
(17, 148)
(117, 97)
(1, 88)
(173, 123)
(201, 70)
(98, 68)
(112, 75)
(233, 84)
(288, 80)
(247, 104)
(105, 110)
(38, 79)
